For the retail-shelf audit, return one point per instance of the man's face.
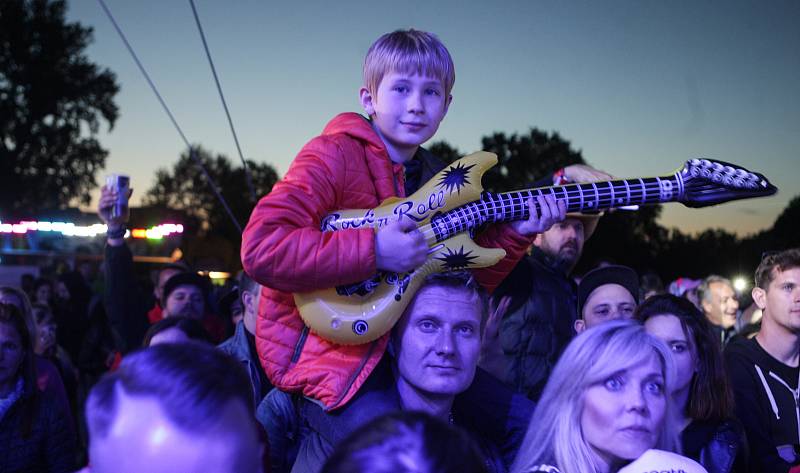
(406, 109)
(163, 276)
(437, 342)
(250, 302)
(781, 301)
(142, 438)
(185, 300)
(563, 242)
(720, 305)
(607, 302)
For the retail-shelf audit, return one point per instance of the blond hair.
(554, 434)
(408, 51)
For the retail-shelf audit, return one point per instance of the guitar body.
(452, 204)
(364, 311)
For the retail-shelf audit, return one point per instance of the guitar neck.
(587, 197)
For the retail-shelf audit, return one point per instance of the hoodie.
(767, 404)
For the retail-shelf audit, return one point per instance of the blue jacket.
(238, 348)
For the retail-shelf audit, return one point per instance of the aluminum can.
(121, 184)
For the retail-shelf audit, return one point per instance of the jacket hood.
(356, 126)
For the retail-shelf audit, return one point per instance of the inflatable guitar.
(449, 206)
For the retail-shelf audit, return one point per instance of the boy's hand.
(400, 247)
(552, 211)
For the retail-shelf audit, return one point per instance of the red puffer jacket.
(283, 249)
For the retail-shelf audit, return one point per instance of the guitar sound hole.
(360, 327)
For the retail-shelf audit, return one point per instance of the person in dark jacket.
(127, 304)
(702, 393)
(541, 310)
(35, 431)
(764, 370)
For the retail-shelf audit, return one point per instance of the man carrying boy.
(358, 163)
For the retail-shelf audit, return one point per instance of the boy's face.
(406, 110)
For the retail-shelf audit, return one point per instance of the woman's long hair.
(554, 434)
(12, 317)
(25, 308)
(710, 395)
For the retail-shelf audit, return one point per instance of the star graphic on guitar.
(455, 177)
(455, 260)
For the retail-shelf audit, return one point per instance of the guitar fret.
(611, 187)
(627, 193)
(641, 182)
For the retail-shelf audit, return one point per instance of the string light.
(70, 229)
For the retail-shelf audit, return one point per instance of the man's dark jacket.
(538, 324)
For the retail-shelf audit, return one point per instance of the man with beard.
(537, 303)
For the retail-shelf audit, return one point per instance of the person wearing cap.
(185, 295)
(541, 296)
(606, 293)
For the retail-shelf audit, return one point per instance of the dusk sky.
(638, 86)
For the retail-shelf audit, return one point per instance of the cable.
(192, 152)
(253, 196)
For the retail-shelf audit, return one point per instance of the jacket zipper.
(796, 396)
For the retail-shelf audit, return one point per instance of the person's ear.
(247, 298)
(366, 99)
(759, 297)
(447, 103)
(579, 325)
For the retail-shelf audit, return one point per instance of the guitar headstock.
(709, 182)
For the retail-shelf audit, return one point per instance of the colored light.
(740, 283)
(157, 232)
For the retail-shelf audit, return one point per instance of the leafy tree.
(186, 188)
(786, 230)
(521, 159)
(52, 102)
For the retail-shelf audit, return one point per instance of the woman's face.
(11, 353)
(668, 329)
(43, 294)
(46, 337)
(623, 415)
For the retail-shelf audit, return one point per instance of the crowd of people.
(524, 366)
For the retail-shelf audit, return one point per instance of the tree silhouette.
(52, 102)
(185, 188)
(521, 159)
(786, 230)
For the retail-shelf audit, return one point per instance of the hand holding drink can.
(120, 184)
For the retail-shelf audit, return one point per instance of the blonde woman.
(606, 403)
